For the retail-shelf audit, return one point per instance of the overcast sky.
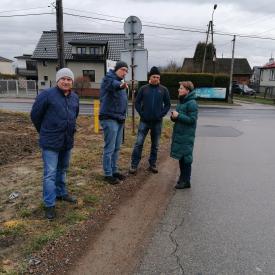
(19, 35)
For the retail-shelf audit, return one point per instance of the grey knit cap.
(64, 72)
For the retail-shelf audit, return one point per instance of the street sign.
(140, 65)
(135, 43)
(132, 27)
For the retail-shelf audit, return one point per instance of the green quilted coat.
(184, 130)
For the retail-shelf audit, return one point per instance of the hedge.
(171, 81)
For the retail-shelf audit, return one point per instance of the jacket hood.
(113, 75)
(191, 95)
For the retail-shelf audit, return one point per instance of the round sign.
(132, 27)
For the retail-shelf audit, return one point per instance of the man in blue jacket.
(54, 115)
(152, 104)
(113, 108)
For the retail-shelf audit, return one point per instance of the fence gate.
(18, 88)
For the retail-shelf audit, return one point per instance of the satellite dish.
(132, 27)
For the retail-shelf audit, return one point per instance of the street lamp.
(210, 27)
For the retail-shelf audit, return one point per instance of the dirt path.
(118, 249)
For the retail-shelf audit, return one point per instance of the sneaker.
(119, 176)
(67, 198)
(153, 169)
(111, 180)
(183, 185)
(50, 212)
(133, 170)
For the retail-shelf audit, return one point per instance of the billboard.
(211, 93)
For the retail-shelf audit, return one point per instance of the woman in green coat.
(185, 118)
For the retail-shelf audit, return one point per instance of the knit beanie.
(119, 65)
(154, 70)
(64, 72)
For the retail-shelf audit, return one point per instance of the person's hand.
(124, 85)
(174, 114)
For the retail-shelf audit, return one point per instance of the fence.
(18, 88)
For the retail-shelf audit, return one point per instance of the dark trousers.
(185, 171)
(155, 132)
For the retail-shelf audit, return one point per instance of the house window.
(272, 75)
(45, 77)
(95, 50)
(90, 74)
(81, 50)
(44, 63)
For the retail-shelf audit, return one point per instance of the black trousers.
(185, 171)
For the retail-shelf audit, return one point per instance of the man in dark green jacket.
(185, 118)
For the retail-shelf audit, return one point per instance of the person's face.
(65, 84)
(121, 72)
(183, 91)
(154, 79)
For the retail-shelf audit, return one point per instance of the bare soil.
(107, 218)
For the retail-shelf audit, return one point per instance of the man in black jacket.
(152, 104)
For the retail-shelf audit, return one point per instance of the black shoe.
(67, 198)
(133, 170)
(50, 212)
(153, 169)
(111, 180)
(183, 185)
(119, 176)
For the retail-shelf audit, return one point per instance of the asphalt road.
(224, 224)
(236, 113)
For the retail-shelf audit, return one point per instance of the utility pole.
(59, 34)
(230, 95)
(206, 42)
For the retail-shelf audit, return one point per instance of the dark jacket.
(185, 128)
(152, 102)
(113, 99)
(54, 117)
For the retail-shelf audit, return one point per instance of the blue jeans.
(113, 132)
(155, 132)
(54, 179)
(185, 171)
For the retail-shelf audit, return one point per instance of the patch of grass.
(24, 212)
(256, 99)
(91, 199)
(76, 217)
(12, 228)
(41, 240)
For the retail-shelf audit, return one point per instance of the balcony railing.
(90, 57)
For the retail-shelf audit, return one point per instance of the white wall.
(6, 67)
(77, 67)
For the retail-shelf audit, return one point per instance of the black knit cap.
(154, 70)
(120, 64)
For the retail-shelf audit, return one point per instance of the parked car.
(242, 89)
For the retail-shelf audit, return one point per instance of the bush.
(171, 81)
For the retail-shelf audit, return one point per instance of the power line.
(24, 15)
(22, 9)
(175, 29)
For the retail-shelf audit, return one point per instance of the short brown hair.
(187, 84)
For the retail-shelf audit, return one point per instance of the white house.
(267, 78)
(86, 54)
(6, 66)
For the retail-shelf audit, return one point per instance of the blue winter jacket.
(113, 99)
(152, 102)
(54, 117)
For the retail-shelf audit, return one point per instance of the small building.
(241, 70)
(26, 67)
(86, 54)
(6, 66)
(267, 79)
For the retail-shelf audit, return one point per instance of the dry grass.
(23, 228)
